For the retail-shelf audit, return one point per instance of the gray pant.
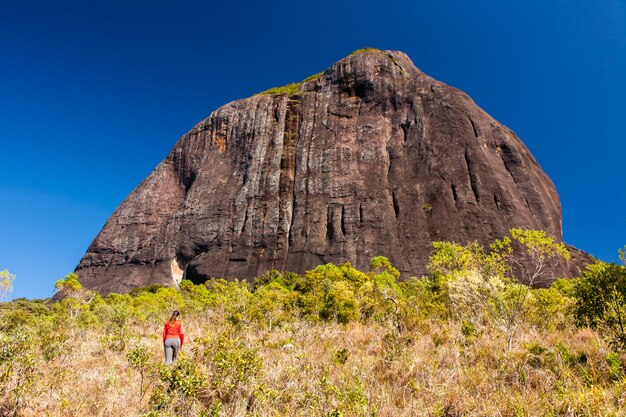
(171, 346)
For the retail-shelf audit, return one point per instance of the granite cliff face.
(373, 157)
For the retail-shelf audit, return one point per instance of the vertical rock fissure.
(474, 128)
(405, 130)
(396, 206)
(390, 158)
(245, 219)
(454, 195)
(343, 224)
(286, 183)
(330, 230)
(472, 177)
(293, 193)
(505, 155)
(306, 170)
(360, 214)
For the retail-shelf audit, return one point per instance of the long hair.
(174, 316)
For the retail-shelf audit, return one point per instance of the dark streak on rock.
(474, 128)
(454, 194)
(360, 214)
(396, 206)
(472, 177)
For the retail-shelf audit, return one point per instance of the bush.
(601, 301)
(277, 349)
(360, 51)
(290, 89)
(18, 372)
(549, 309)
(233, 368)
(273, 305)
(339, 303)
(179, 387)
(139, 359)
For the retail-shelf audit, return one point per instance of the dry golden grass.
(356, 369)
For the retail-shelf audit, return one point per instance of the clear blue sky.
(94, 94)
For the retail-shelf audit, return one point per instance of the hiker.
(173, 337)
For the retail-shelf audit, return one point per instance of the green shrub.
(360, 51)
(341, 356)
(290, 89)
(139, 359)
(14, 320)
(423, 298)
(313, 77)
(21, 313)
(233, 367)
(339, 303)
(392, 346)
(273, 305)
(536, 348)
(179, 387)
(601, 301)
(550, 309)
(19, 364)
(152, 289)
(468, 329)
(54, 344)
(288, 280)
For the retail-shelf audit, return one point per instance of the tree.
(530, 258)
(74, 296)
(497, 281)
(6, 283)
(601, 300)
(69, 285)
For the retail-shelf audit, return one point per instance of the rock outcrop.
(372, 157)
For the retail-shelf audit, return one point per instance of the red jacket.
(174, 330)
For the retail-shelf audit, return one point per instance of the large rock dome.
(372, 157)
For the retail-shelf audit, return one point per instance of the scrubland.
(335, 341)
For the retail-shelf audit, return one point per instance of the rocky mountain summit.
(371, 157)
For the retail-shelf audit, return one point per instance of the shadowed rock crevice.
(474, 127)
(371, 158)
(360, 214)
(496, 200)
(455, 196)
(473, 178)
(396, 205)
(286, 183)
(330, 227)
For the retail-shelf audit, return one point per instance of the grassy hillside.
(333, 342)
